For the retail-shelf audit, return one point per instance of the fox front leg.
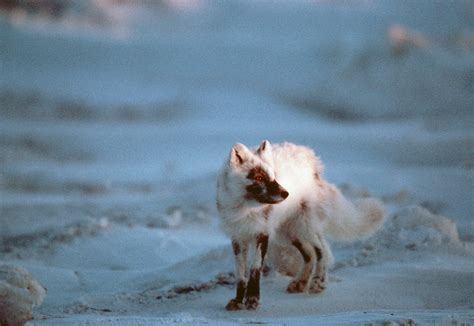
(240, 249)
(252, 296)
(320, 277)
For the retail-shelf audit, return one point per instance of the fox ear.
(239, 154)
(265, 151)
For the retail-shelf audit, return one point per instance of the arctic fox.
(278, 192)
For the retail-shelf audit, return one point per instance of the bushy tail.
(355, 220)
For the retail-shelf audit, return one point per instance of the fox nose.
(284, 194)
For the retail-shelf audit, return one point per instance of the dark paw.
(251, 303)
(297, 286)
(234, 305)
(317, 286)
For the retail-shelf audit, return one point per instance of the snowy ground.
(111, 136)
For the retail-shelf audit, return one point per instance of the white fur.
(313, 209)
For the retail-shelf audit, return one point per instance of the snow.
(114, 119)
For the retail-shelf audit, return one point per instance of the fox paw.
(251, 303)
(297, 286)
(317, 286)
(234, 305)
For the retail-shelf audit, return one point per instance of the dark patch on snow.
(45, 242)
(330, 111)
(27, 146)
(32, 106)
(222, 279)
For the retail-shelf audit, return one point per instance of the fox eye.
(259, 178)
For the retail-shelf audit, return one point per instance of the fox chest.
(249, 224)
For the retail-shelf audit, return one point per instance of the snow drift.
(19, 294)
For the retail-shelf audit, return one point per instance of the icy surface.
(115, 117)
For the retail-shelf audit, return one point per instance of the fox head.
(251, 174)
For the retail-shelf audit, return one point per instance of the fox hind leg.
(301, 282)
